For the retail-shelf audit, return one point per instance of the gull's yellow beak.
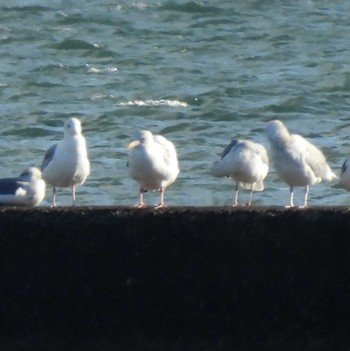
(133, 144)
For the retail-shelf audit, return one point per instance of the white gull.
(152, 163)
(345, 175)
(28, 189)
(66, 164)
(296, 160)
(246, 163)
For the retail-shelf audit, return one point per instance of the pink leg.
(142, 203)
(307, 188)
(291, 204)
(161, 204)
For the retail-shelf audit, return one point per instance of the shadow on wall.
(176, 278)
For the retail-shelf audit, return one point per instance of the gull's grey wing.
(48, 156)
(344, 167)
(228, 148)
(9, 186)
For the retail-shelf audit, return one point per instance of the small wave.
(150, 102)
(74, 44)
(28, 8)
(191, 7)
(92, 69)
(293, 104)
(140, 5)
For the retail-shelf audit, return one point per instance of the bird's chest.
(71, 153)
(145, 159)
(67, 163)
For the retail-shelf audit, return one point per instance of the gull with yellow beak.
(152, 163)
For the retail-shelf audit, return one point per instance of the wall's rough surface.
(182, 276)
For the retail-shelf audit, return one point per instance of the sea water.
(198, 72)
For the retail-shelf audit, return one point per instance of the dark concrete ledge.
(174, 279)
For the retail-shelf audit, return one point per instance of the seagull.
(345, 175)
(152, 163)
(28, 189)
(247, 163)
(66, 164)
(296, 160)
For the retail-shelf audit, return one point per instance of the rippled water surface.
(198, 72)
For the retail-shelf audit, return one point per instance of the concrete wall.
(207, 278)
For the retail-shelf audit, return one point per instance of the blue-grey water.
(199, 72)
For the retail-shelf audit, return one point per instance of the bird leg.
(291, 198)
(250, 197)
(73, 195)
(307, 188)
(161, 204)
(235, 203)
(54, 197)
(142, 203)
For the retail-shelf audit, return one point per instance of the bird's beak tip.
(133, 144)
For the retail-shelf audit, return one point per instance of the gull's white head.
(143, 137)
(31, 173)
(276, 131)
(72, 126)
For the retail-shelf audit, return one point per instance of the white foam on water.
(92, 69)
(151, 102)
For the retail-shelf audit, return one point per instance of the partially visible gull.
(246, 163)
(296, 160)
(66, 163)
(152, 163)
(345, 175)
(28, 189)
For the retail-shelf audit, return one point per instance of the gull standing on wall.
(28, 189)
(296, 160)
(66, 163)
(345, 175)
(247, 163)
(152, 163)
